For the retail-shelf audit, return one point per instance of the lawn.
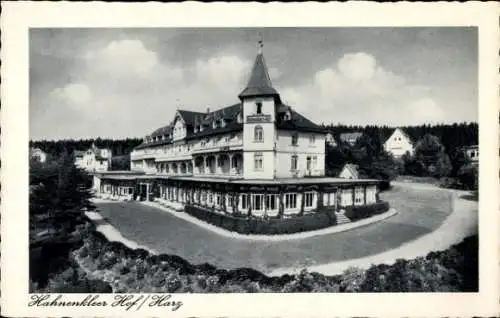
(421, 210)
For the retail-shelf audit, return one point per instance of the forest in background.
(450, 135)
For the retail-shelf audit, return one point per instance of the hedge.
(355, 213)
(307, 222)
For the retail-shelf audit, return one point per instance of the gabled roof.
(352, 169)
(259, 83)
(190, 116)
(403, 132)
(297, 122)
(162, 131)
(36, 150)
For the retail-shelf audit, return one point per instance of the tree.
(430, 158)
(468, 177)
(58, 194)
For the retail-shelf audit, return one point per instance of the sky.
(118, 83)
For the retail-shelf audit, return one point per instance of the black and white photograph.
(223, 160)
(254, 160)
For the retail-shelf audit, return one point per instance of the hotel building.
(258, 157)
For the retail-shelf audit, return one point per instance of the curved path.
(421, 211)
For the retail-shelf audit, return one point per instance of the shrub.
(352, 279)
(244, 225)
(355, 213)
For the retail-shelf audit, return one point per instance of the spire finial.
(261, 43)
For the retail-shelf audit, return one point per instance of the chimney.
(208, 110)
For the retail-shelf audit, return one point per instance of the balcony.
(220, 146)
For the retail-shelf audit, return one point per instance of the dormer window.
(223, 123)
(258, 108)
(196, 128)
(215, 124)
(288, 115)
(240, 118)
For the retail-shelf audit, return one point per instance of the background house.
(399, 143)
(349, 171)
(330, 140)
(93, 159)
(350, 138)
(38, 154)
(472, 153)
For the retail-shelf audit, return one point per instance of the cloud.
(355, 89)
(73, 94)
(357, 66)
(123, 57)
(127, 83)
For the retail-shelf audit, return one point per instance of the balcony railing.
(221, 145)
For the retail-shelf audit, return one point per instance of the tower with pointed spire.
(259, 100)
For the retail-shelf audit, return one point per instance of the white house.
(350, 138)
(472, 152)
(330, 140)
(93, 159)
(38, 154)
(350, 171)
(399, 143)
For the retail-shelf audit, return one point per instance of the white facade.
(94, 159)
(398, 144)
(472, 153)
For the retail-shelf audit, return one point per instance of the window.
(130, 190)
(312, 139)
(308, 163)
(210, 198)
(359, 196)
(218, 199)
(315, 162)
(295, 139)
(258, 162)
(245, 198)
(271, 201)
(226, 139)
(308, 197)
(258, 202)
(290, 201)
(230, 201)
(294, 162)
(259, 107)
(258, 135)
